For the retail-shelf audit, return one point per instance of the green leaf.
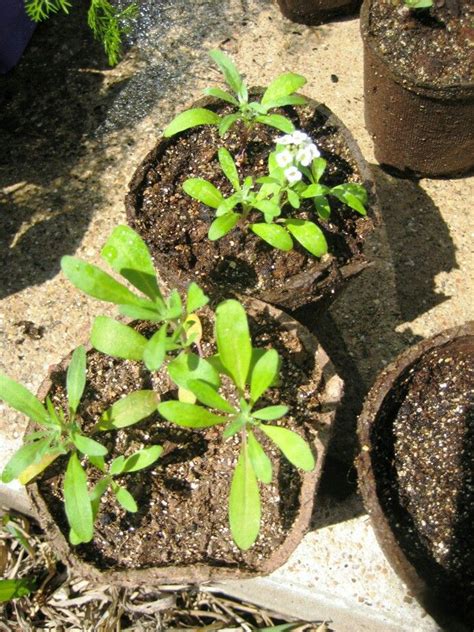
(27, 455)
(221, 94)
(233, 340)
(96, 494)
(88, 446)
(228, 69)
(228, 167)
(174, 308)
(292, 99)
(234, 426)
(264, 374)
(195, 298)
(244, 503)
(16, 588)
(222, 225)
(317, 168)
(99, 463)
(207, 395)
(118, 340)
(189, 366)
(203, 191)
(155, 350)
(129, 410)
(150, 312)
(313, 190)
(77, 503)
(189, 415)
(269, 208)
(227, 122)
(310, 236)
(137, 461)
(274, 235)
(284, 85)
(228, 204)
(262, 466)
(278, 121)
(191, 118)
(270, 412)
(354, 195)
(127, 254)
(293, 198)
(20, 398)
(322, 207)
(294, 447)
(125, 498)
(76, 378)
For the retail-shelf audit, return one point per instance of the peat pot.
(317, 11)
(180, 532)
(416, 475)
(419, 109)
(175, 226)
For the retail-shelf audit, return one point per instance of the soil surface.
(423, 456)
(434, 46)
(175, 226)
(182, 499)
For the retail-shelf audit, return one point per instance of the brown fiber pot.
(418, 129)
(450, 603)
(319, 279)
(317, 11)
(305, 350)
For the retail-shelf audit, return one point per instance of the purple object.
(16, 29)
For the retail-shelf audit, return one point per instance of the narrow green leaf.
(222, 225)
(233, 340)
(191, 118)
(195, 298)
(74, 539)
(262, 466)
(294, 447)
(221, 94)
(77, 503)
(118, 340)
(310, 236)
(234, 426)
(129, 410)
(126, 252)
(284, 85)
(207, 395)
(137, 461)
(270, 412)
(20, 398)
(96, 494)
(244, 503)
(292, 99)
(227, 122)
(76, 377)
(203, 191)
(228, 69)
(125, 498)
(274, 235)
(27, 455)
(317, 168)
(278, 121)
(189, 366)
(155, 349)
(264, 374)
(16, 588)
(228, 204)
(189, 415)
(88, 446)
(151, 312)
(228, 167)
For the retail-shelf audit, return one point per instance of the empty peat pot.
(175, 227)
(180, 532)
(416, 471)
(317, 11)
(419, 88)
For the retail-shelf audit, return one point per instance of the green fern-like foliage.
(107, 22)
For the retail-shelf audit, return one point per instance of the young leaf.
(226, 123)
(244, 503)
(262, 466)
(317, 168)
(155, 349)
(127, 254)
(16, 588)
(137, 461)
(189, 366)
(234, 426)
(77, 503)
(291, 99)
(207, 395)
(189, 415)
(228, 167)
(354, 195)
(313, 190)
(29, 454)
(129, 410)
(203, 191)
(293, 198)
(191, 118)
(294, 447)
(221, 94)
(174, 306)
(195, 298)
(76, 378)
(222, 225)
(274, 235)
(264, 374)
(278, 121)
(150, 312)
(322, 207)
(228, 69)
(309, 235)
(233, 340)
(284, 85)
(118, 340)
(88, 446)
(125, 498)
(270, 412)
(193, 327)
(96, 494)
(20, 398)
(269, 208)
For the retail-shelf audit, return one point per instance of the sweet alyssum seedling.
(279, 93)
(60, 433)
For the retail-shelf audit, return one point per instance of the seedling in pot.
(60, 433)
(280, 92)
(252, 372)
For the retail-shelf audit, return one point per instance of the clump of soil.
(424, 466)
(432, 46)
(182, 517)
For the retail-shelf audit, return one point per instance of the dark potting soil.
(424, 461)
(182, 499)
(175, 226)
(431, 46)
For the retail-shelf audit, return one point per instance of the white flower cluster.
(299, 150)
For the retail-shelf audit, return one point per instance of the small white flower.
(292, 174)
(306, 154)
(299, 137)
(287, 139)
(284, 158)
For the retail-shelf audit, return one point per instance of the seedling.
(418, 4)
(60, 433)
(280, 92)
